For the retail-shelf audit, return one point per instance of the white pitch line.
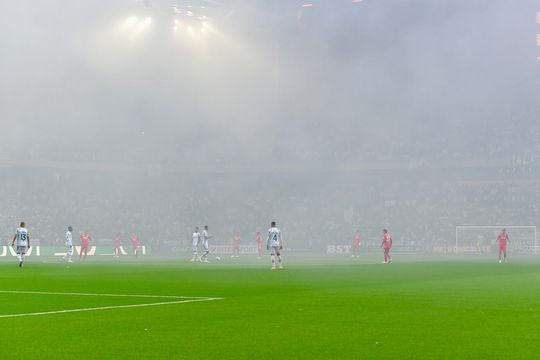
(108, 307)
(111, 295)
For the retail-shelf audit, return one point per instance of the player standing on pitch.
(258, 239)
(135, 244)
(206, 246)
(195, 243)
(503, 240)
(85, 241)
(275, 245)
(23, 242)
(356, 244)
(69, 245)
(117, 244)
(387, 245)
(236, 246)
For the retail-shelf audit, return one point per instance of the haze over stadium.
(149, 118)
(413, 115)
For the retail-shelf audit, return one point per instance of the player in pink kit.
(135, 245)
(503, 240)
(85, 241)
(258, 239)
(387, 245)
(236, 246)
(356, 244)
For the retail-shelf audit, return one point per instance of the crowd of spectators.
(313, 209)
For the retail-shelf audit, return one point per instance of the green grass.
(316, 309)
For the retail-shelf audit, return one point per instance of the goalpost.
(481, 239)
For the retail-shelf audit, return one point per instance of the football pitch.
(317, 308)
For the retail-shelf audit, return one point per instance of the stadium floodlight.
(130, 22)
(142, 26)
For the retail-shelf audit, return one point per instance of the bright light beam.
(129, 23)
(142, 26)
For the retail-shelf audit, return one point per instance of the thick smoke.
(415, 115)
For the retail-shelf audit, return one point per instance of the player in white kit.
(275, 245)
(23, 242)
(69, 245)
(195, 244)
(205, 237)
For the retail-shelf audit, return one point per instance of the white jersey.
(205, 236)
(69, 238)
(274, 237)
(196, 238)
(22, 237)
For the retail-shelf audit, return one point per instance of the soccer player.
(69, 245)
(85, 240)
(23, 242)
(503, 240)
(236, 246)
(195, 243)
(135, 244)
(356, 244)
(117, 244)
(258, 239)
(387, 245)
(275, 245)
(205, 237)
(479, 243)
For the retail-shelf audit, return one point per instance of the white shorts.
(21, 249)
(274, 250)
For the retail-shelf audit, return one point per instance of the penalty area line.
(109, 307)
(104, 295)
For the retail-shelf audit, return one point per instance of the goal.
(482, 239)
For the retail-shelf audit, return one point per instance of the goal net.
(483, 239)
